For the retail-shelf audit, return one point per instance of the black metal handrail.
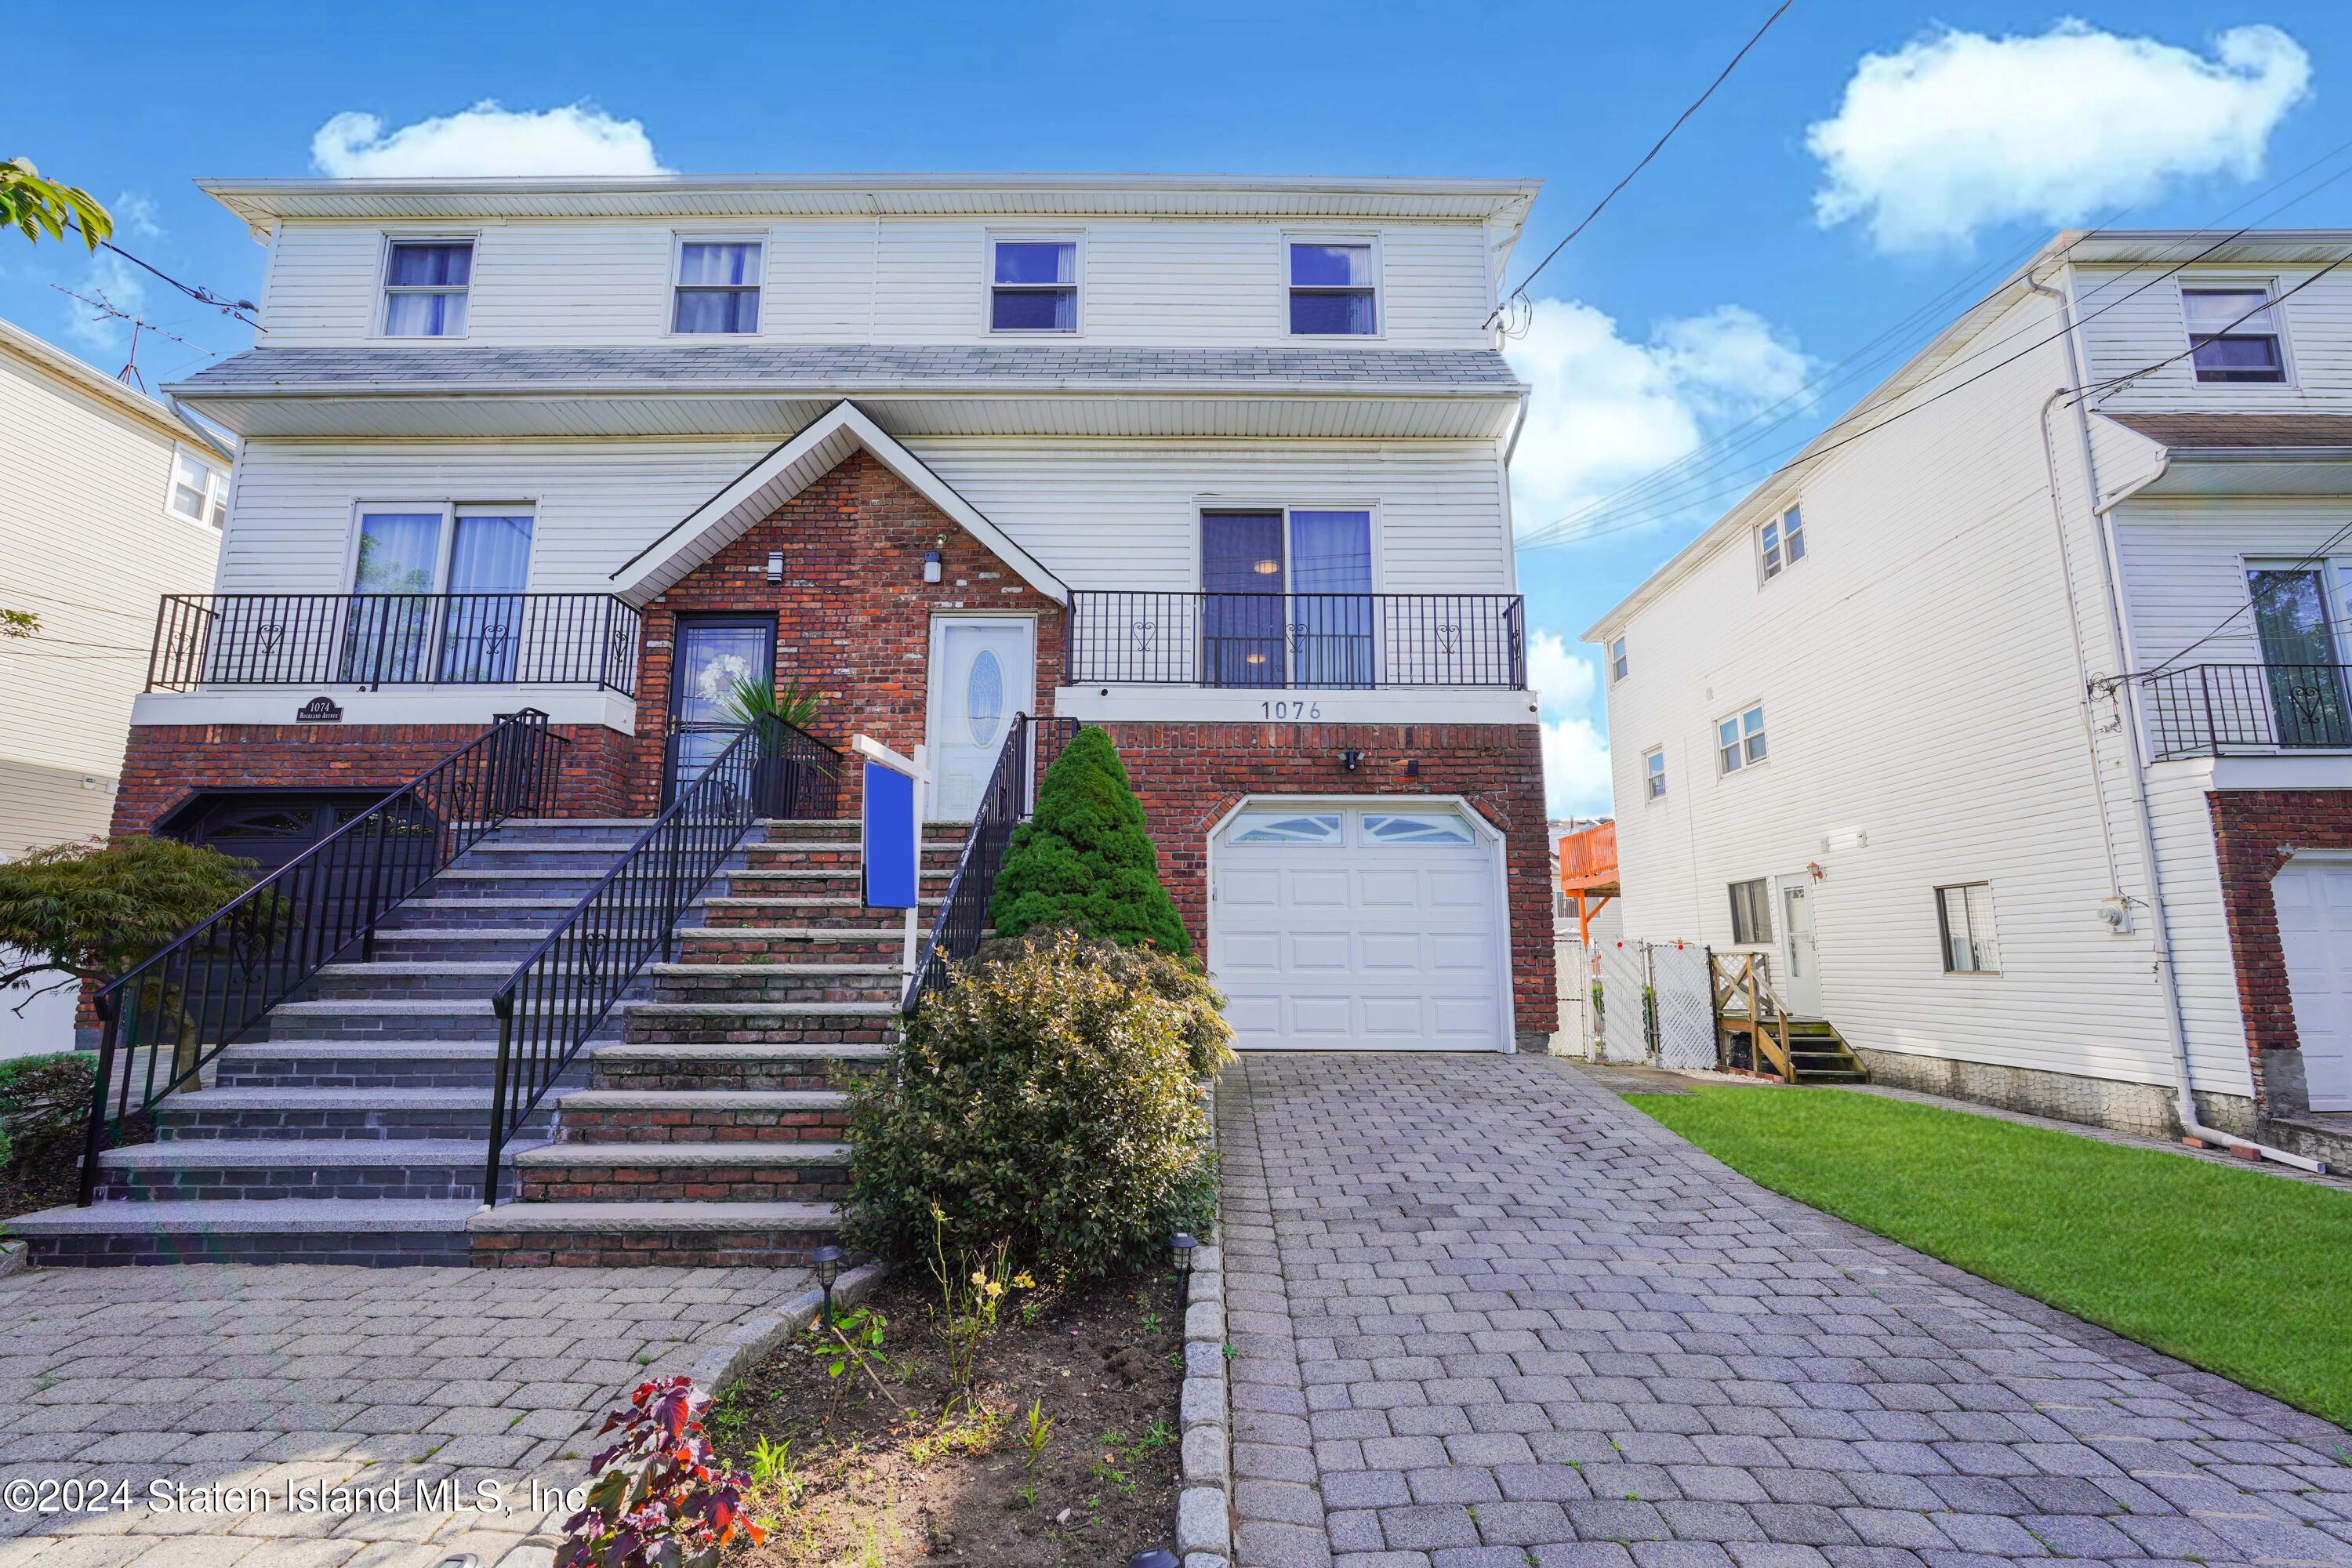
(1005, 801)
(560, 994)
(180, 1007)
(1287, 641)
(394, 639)
(2209, 709)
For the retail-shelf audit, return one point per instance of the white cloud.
(485, 140)
(1606, 410)
(1576, 768)
(1563, 677)
(1956, 131)
(115, 281)
(134, 212)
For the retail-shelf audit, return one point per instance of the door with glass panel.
(1286, 598)
(712, 656)
(437, 596)
(984, 671)
(2300, 658)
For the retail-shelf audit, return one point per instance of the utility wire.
(2254, 601)
(236, 309)
(2112, 383)
(1520, 293)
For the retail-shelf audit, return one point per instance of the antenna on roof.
(109, 310)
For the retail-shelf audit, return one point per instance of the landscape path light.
(827, 1264)
(1179, 1252)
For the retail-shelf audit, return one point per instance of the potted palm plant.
(775, 773)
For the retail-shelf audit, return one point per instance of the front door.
(1804, 978)
(983, 671)
(713, 654)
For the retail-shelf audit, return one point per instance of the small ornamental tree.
(1083, 861)
(89, 911)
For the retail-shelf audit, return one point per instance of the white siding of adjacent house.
(87, 543)
(1179, 282)
(1921, 689)
(2132, 319)
(1098, 514)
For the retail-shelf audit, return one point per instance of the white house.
(2010, 719)
(108, 499)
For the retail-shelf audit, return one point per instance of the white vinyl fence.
(1657, 1004)
(1574, 1037)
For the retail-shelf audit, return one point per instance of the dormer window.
(2232, 335)
(424, 287)
(1333, 291)
(717, 286)
(1033, 286)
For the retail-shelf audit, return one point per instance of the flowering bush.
(660, 1498)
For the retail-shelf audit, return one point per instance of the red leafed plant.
(661, 1499)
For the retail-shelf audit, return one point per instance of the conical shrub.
(1084, 862)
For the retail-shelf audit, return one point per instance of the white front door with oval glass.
(983, 671)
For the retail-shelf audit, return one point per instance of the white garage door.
(1345, 927)
(2314, 924)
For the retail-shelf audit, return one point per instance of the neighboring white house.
(108, 499)
(2028, 669)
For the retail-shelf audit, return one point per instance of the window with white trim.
(2232, 336)
(426, 286)
(1751, 913)
(1654, 774)
(1334, 289)
(1033, 286)
(1740, 740)
(199, 490)
(1970, 945)
(718, 287)
(1617, 665)
(1782, 541)
(1302, 829)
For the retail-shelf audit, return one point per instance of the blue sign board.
(889, 828)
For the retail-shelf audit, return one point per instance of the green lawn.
(2243, 1274)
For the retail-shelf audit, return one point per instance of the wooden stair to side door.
(1819, 1054)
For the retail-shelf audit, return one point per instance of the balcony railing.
(2211, 709)
(1327, 641)
(394, 639)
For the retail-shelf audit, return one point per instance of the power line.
(2112, 383)
(2254, 601)
(1521, 291)
(109, 310)
(236, 309)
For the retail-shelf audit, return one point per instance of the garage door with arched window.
(1349, 924)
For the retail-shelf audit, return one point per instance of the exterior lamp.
(1351, 759)
(1180, 1253)
(827, 1264)
(931, 565)
(1152, 1557)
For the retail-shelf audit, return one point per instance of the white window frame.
(384, 288)
(445, 543)
(1380, 285)
(1620, 664)
(215, 497)
(1077, 239)
(2334, 586)
(1743, 743)
(1944, 927)
(1654, 783)
(1772, 554)
(679, 240)
(2268, 288)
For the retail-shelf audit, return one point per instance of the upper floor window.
(199, 490)
(1033, 286)
(425, 285)
(1654, 774)
(2232, 335)
(1751, 913)
(1971, 945)
(1783, 542)
(1332, 289)
(1618, 666)
(1740, 740)
(717, 286)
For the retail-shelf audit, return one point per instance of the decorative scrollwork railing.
(1148, 637)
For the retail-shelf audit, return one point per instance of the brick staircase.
(704, 1124)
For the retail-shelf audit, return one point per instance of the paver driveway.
(1484, 1313)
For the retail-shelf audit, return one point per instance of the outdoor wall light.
(1350, 758)
(1412, 768)
(1180, 1253)
(1152, 1557)
(931, 565)
(775, 566)
(827, 1264)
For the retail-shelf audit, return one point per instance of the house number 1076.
(1295, 712)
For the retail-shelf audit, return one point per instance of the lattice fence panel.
(1624, 974)
(1685, 1007)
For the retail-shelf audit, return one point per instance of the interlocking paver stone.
(1506, 1317)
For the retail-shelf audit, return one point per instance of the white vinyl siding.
(1172, 281)
(2150, 326)
(2185, 563)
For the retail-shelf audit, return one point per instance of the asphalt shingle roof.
(2281, 431)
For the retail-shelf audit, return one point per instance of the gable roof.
(787, 470)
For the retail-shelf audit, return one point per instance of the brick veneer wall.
(2256, 832)
(853, 614)
(163, 763)
(1190, 775)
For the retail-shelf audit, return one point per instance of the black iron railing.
(2209, 709)
(394, 639)
(564, 990)
(1005, 801)
(172, 1014)
(1325, 641)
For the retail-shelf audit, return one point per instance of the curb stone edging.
(1204, 1509)
(748, 1340)
(12, 1257)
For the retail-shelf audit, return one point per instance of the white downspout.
(2142, 819)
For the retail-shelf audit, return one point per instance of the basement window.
(1971, 945)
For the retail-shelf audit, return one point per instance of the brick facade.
(1190, 775)
(2256, 832)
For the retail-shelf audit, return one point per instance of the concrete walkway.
(227, 1384)
(1487, 1315)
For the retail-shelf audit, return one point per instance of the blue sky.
(1756, 252)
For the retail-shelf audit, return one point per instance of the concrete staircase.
(704, 1124)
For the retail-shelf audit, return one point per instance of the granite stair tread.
(701, 1100)
(759, 1009)
(668, 1216)
(652, 1154)
(734, 1051)
(264, 1215)
(214, 1153)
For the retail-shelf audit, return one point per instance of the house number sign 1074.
(319, 710)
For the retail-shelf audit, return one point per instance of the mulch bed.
(912, 1476)
(37, 1185)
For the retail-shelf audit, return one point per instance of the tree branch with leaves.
(39, 206)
